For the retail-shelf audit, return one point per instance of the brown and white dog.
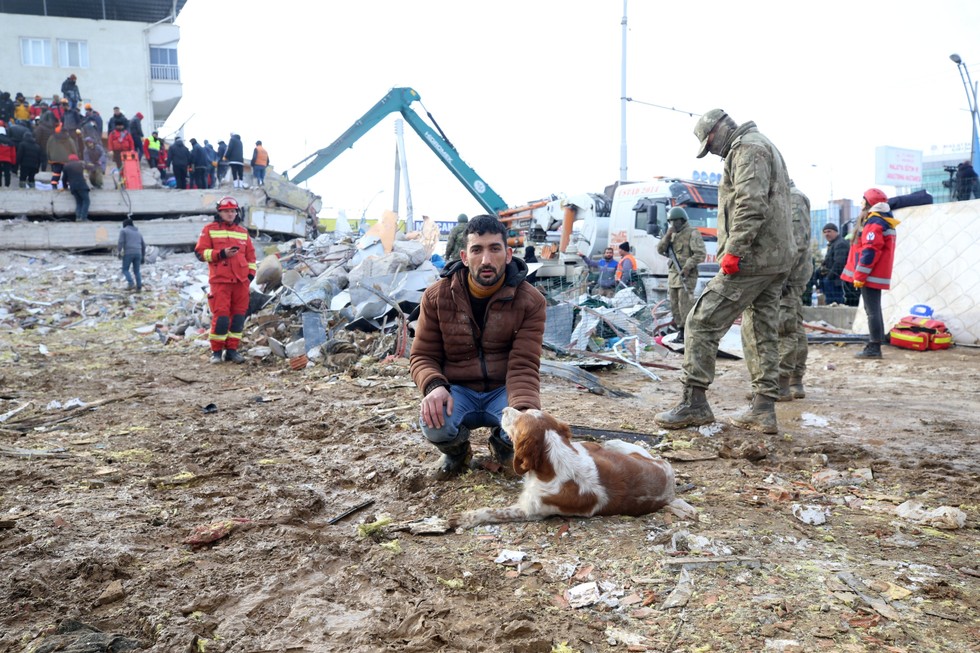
(578, 479)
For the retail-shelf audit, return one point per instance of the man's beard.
(485, 282)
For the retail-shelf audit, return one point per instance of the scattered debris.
(945, 517)
(810, 514)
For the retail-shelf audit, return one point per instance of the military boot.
(761, 416)
(693, 410)
(215, 357)
(785, 393)
(502, 449)
(871, 350)
(796, 387)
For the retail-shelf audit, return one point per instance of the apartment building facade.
(123, 53)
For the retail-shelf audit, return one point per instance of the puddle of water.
(810, 419)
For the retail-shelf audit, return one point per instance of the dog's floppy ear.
(528, 450)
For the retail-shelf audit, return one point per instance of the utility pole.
(971, 99)
(623, 99)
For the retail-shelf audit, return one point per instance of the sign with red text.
(897, 167)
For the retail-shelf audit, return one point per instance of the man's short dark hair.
(487, 224)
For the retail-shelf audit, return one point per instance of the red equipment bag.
(920, 334)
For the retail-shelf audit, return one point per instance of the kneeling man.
(477, 347)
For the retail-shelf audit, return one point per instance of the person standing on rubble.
(684, 246)
(869, 264)
(8, 156)
(477, 347)
(179, 158)
(69, 90)
(29, 159)
(456, 240)
(75, 181)
(793, 348)
(222, 164)
(199, 159)
(260, 161)
(627, 269)
(60, 146)
(235, 156)
(607, 265)
(756, 250)
(94, 157)
(132, 251)
(225, 246)
(119, 141)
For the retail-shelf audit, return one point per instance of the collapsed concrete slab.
(279, 207)
(175, 232)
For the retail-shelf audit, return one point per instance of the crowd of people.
(39, 136)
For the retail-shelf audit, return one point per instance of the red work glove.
(729, 263)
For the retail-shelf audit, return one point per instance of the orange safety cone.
(132, 178)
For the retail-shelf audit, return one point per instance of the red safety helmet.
(227, 203)
(872, 196)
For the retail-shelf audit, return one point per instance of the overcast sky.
(529, 91)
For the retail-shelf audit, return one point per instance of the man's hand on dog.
(432, 407)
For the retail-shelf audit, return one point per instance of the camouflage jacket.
(456, 242)
(803, 265)
(688, 248)
(754, 216)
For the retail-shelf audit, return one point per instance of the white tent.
(936, 264)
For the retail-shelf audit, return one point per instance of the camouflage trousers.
(756, 299)
(682, 298)
(792, 335)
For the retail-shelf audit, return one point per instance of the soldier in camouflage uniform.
(688, 247)
(756, 250)
(792, 336)
(457, 239)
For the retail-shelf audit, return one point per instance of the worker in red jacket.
(225, 246)
(120, 141)
(869, 264)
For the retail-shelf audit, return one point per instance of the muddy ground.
(100, 500)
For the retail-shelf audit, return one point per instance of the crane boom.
(399, 100)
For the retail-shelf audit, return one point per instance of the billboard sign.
(897, 167)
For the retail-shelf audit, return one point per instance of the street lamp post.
(971, 99)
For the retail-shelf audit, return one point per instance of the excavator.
(399, 100)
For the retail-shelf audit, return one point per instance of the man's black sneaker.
(215, 357)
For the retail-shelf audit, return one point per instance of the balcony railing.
(165, 72)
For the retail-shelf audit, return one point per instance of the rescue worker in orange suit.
(225, 246)
(869, 264)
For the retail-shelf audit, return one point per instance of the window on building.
(35, 52)
(73, 54)
(163, 64)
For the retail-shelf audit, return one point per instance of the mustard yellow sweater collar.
(482, 292)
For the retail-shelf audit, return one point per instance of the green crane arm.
(399, 100)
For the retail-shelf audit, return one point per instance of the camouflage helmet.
(677, 213)
(705, 124)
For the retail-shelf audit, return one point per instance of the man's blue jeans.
(472, 410)
(133, 260)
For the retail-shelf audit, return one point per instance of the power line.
(660, 106)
